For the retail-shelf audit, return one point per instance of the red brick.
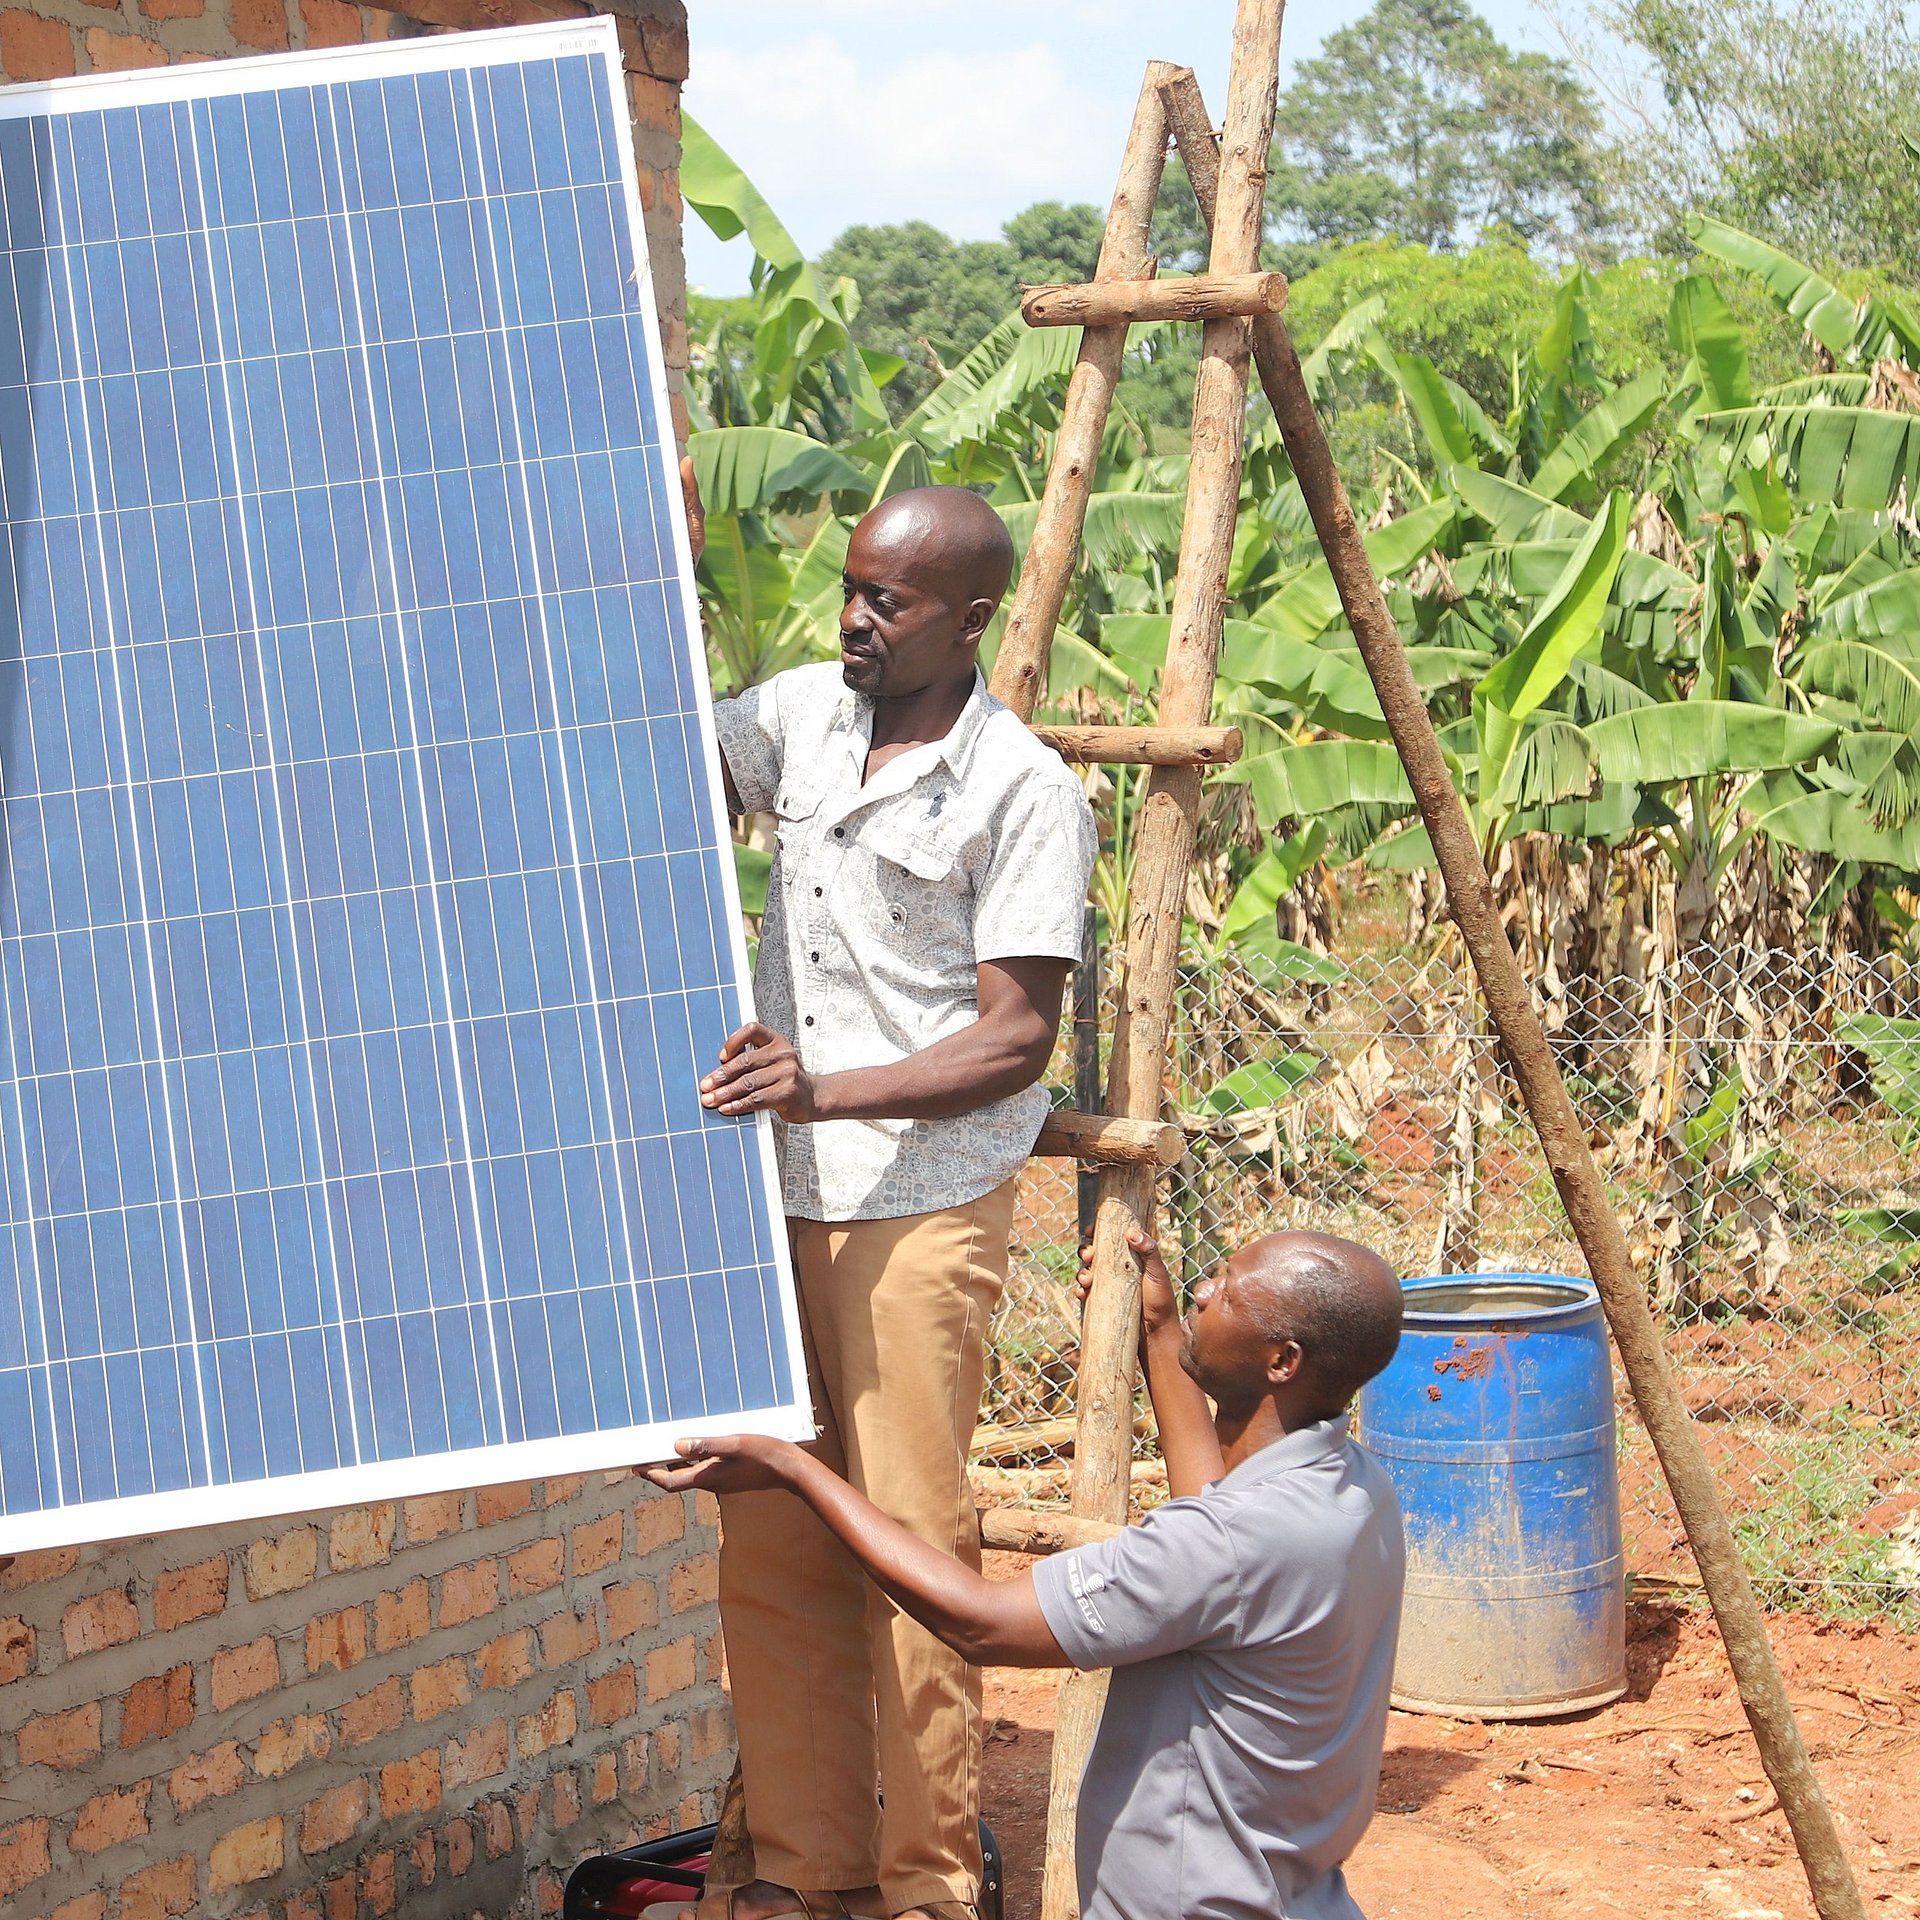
(550, 1891)
(566, 1799)
(468, 1592)
(18, 1641)
(434, 1515)
(156, 1705)
(666, 1747)
(334, 1818)
(410, 1786)
(109, 52)
(401, 1617)
(424, 1858)
(111, 1819)
(32, 48)
(526, 1812)
(557, 1493)
(536, 1568)
(249, 1853)
(282, 1564)
(613, 1696)
(460, 1842)
(497, 1834)
(362, 1536)
(337, 1639)
(502, 1503)
(606, 1778)
(101, 1620)
(636, 1757)
(67, 1739)
(289, 1743)
(656, 104)
(244, 1673)
(330, 23)
(666, 45)
(29, 1569)
(172, 9)
(555, 1724)
(597, 1543)
(190, 1593)
(439, 1689)
(343, 1896)
(507, 1661)
(205, 1777)
(711, 1731)
(670, 1669)
(693, 1583)
(377, 1883)
(568, 1638)
(158, 1892)
(83, 1906)
(259, 23)
(23, 1855)
(657, 1521)
(373, 1713)
(480, 1755)
(632, 1608)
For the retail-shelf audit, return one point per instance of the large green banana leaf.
(1576, 459)
(751, 469)
(1702, 739)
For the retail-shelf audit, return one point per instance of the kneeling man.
(1250, 1621)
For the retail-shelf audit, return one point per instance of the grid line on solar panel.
(500, 1215)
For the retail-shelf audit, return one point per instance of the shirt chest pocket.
(794, 808)
(915, 889)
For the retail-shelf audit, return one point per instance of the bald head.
(948, 536)
(1340, 1301)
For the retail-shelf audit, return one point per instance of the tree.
(1783, 116)
(931, 300)
(1417, 124)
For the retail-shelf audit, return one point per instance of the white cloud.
(833, 135)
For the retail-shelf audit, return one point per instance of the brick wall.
(42, 39)
(432, 1707)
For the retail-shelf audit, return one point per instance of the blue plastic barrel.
(1495, 1421)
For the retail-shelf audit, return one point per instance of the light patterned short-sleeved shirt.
(885, 897)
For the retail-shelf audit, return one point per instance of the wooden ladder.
(1130, 1143)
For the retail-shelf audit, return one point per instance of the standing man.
(923, 914)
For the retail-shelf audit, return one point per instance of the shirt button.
(816, 893)
(815, 958)
(809, 1019)
(839, 833)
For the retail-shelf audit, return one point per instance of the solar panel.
(366, 914)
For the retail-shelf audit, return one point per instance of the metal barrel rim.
(1562, 1298)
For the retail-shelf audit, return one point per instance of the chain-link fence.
(1757, 1119)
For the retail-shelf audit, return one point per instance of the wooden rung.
(1101, 1140)
(1145, 746)
(1111, 303)
(1037, 1530)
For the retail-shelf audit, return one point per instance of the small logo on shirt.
(1083, 1586)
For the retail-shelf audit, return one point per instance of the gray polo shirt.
(1251, 1632)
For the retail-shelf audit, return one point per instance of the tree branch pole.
(1110, 303)
(1163, 841)
(1562, 1138)
(1020, 667)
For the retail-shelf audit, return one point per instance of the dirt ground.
(1656, 1804)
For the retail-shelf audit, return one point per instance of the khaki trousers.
(834, 1689)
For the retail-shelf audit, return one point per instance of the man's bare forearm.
(1189, 1443)
(973, 1068)
(985, 1621)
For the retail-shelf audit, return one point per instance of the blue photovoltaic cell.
(363, 929)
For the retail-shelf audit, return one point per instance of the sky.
(960, 112)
